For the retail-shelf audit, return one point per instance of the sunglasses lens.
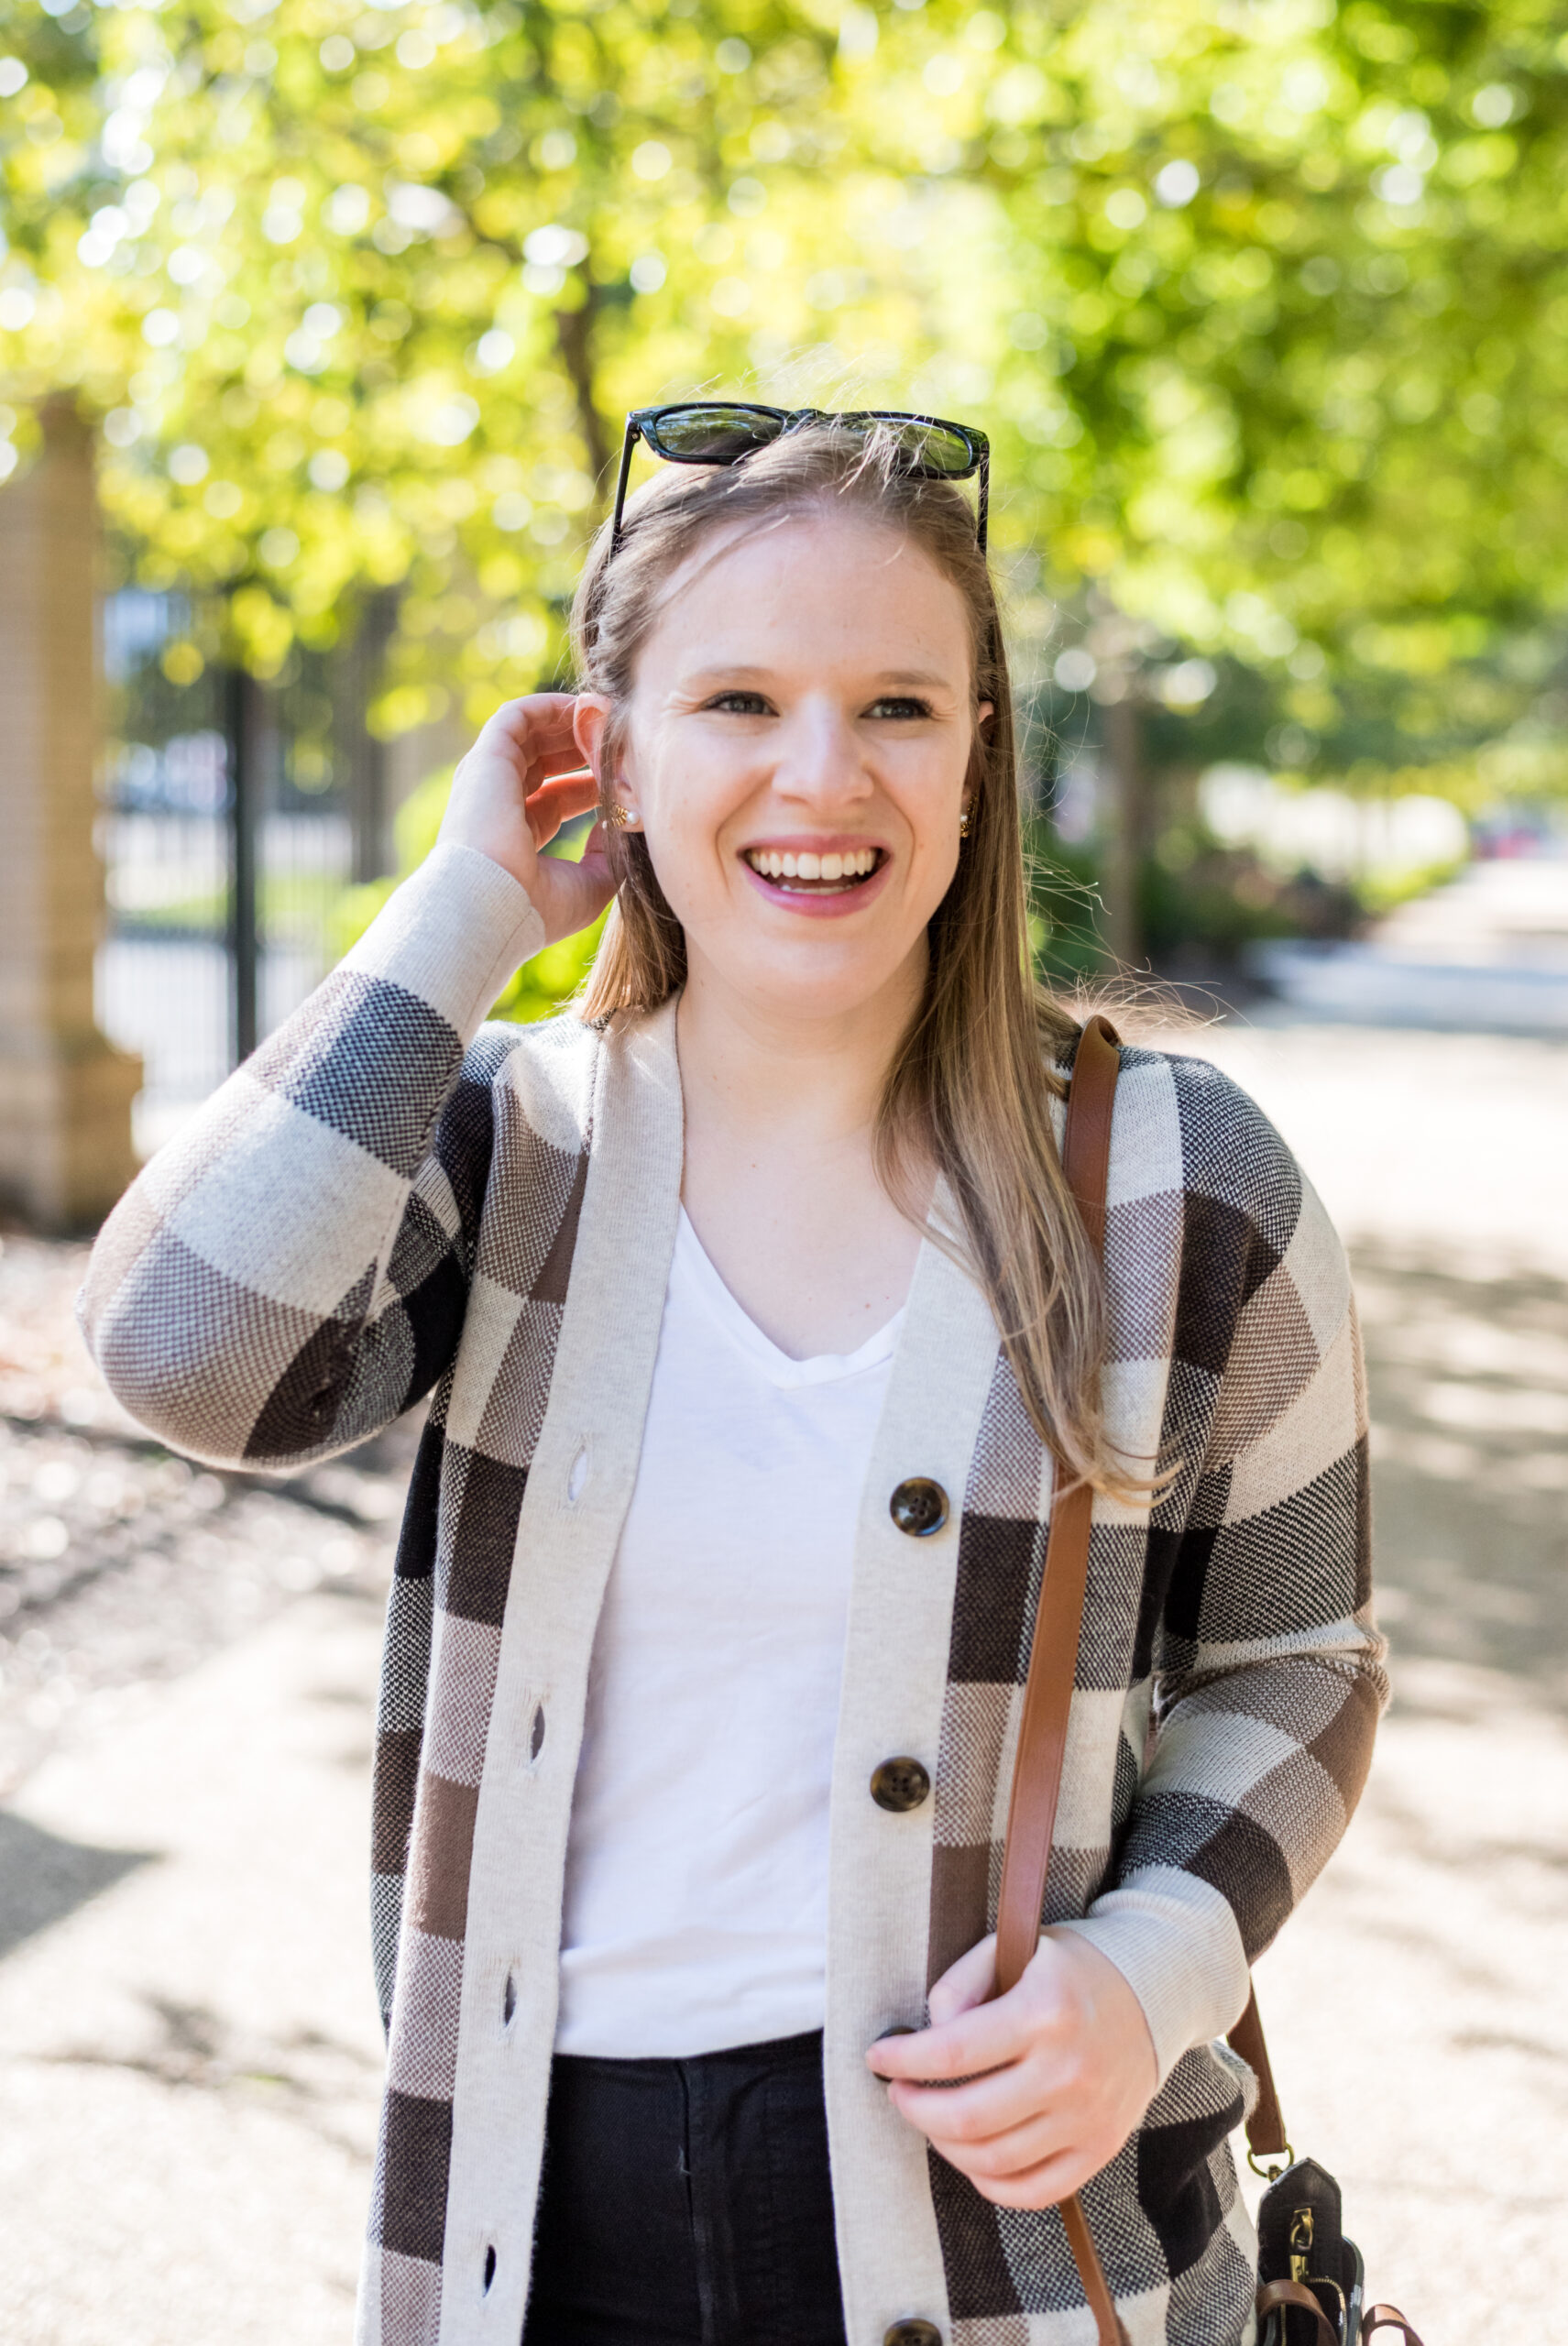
(934, 449)
(713, 436)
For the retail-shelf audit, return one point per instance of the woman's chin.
(824, 974)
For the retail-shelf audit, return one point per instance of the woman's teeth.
(844, 871)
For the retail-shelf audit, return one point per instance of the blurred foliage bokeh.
(1264, 302)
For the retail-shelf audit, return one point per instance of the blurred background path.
(189, 2055)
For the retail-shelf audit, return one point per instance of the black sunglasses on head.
(725, 431)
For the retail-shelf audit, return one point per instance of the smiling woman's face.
(799, 736)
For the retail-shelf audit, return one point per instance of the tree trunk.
(1125, 789)
(574, 335)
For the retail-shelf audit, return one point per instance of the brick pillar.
(65, 1091)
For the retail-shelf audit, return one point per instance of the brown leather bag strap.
(1042, 1737)
(1278, 2295)
(1053, 1657)
(1096, 2294)
(1047, 1693)
(1265, 2127)
(1388, 2318)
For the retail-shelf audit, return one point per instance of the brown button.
(919, 1507)
(912, 2334)
(900, 1785)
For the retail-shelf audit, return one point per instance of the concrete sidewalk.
(189, 2060)
(189, 2054)
(1489, 950)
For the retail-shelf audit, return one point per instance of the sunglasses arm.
(633, 433)
(984, 497)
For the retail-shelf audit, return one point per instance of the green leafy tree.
(1289, 333)
(358, 289)
(1264, 304)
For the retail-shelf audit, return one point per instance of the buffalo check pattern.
(1228, 1680)
(392, 1200)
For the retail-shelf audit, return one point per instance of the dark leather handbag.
(1312, 2289)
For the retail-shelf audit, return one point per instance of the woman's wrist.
(453, 933)
(1179, 1951)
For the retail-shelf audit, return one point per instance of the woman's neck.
(784, 1080)
(780, 1178)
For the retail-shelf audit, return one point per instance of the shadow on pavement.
(318, 2080)
(1469, 1387)
(43, 1878)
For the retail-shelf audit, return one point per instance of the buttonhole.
(536, 1733)
(509, 1999)
(578, 1477)
(489, 2269)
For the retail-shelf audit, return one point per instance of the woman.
(756, 1311)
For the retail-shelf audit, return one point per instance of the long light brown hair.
(971, 1085)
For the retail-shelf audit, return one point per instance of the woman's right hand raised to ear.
(521, 780)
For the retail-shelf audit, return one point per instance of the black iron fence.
(228, 832)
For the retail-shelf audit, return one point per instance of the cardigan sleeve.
(290, 1272)
(1267, 1667)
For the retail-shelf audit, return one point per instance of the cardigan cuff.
(1176, 1944)
(452, 935)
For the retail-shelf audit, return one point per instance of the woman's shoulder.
(541, 1074)
(1218, 1216)
(559, 1073)
(1183, 1124)
(552, 1044)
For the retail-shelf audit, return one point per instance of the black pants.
(687, 2203)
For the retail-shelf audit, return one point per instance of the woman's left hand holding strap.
(1056, 2074)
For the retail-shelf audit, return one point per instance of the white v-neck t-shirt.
(697, 1864)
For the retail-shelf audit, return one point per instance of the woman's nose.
(820, 759)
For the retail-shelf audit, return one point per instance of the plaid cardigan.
(390, 1198)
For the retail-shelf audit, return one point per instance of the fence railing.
(221, 868)
(167, 970)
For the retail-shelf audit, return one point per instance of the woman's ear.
(589, 719)
(983, 715)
